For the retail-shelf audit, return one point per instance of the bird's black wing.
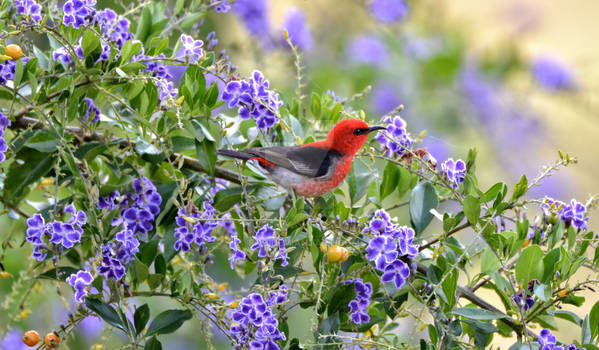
(309, 161)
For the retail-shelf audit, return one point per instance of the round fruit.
(31, 338)
(13, 51)
(52, 340)
(337, 253)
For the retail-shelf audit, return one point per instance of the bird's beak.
(375, 128)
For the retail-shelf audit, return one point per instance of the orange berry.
(4, 274)
(323, 247)
(221, 287)
(345, 255)
(31, 338)
(337, 253)
(563, 293)
(52, 340)
(526, 243)
(13, 51)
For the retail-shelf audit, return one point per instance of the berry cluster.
(571, 214)
(398, 139)
(358, 306)
(255, 324)
(455, 171)
(265, 238)
(390, 244)
(58, 233)
(254, 100)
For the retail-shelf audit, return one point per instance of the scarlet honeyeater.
(315, 168)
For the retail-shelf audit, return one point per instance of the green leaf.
(106, 312)
(206, 154)
(477, 314)
(168, 322)
(61, 273)
(44, 141)
(472, 209)
(149, 152)
(530, 265)
(567, 315)
(315, 106)
(34, 166)
(211, 95)
(141, 317)
(489, 261)
(89, 42)
(520, 188)
(594, 320)
(148, 252)
(422, 200)
(358, 184)
(543, 291)
(153, 344)
(449, 286)
(145, 25)
(390, 181)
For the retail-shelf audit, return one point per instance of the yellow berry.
(211, 296)
(221, 287)
(24, 314)
(563, 293)
(335, 253)
(234, 304)
(13, 51)
(4, 274)
(323, 247)
(526, 243)
(52, 340)
(31, 338)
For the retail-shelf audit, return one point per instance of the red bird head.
(349, 135)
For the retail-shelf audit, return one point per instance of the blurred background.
(515, 79)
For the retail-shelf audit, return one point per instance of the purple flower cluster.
(358, 306)
(29, 8)
(397, 140)
(222, 6)
(255, 326)
(388, 11)
(455, 170)
(295, 25)
(571, 214)
(91, 108)
(8, 69)
(391, 242)
(547, 341)
(138, 209)
(79, 281)
(254, 100)
(553, 75)
(4, 123)
(77, 13)
(524, 299)
(195, 227)
(265, 240)
(192, 49)
(59, 233)
(113, 27)
(237, 254)
(254, 14)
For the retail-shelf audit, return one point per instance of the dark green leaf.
(35, 165)
(422, 200)
(477, 314)
(44, 141)
(63, 273)
(89, 42)
(153, 344)
(106, 312)
(168, 322)
(206, 154)
(390, 181)
(141, 317)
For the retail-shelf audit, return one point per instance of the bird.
(315, 168)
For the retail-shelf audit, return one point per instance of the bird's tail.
(235, 154)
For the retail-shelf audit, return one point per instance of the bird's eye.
(360, 131)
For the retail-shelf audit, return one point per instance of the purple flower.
(79, 282)
(254, 325)
(551, 206)
(29, 8)
(168, 92)
(553, 75)
(254, 14)
(110, 267)
(91, 108)
(388, 11)
(62, 55)
(384, 99)
(396, 272)
(574, 214)
(8, 69)
(4, 123)
(113, 27)
(140, 207)
(254, 100)
(358, 306)
(237, 254)
(223, 6)
(299, 34)
(263, 238)
(455, 171)
(195, 227)
(36, 228)
(192, 49)
(278, 297)
(13, 340)
(108, 202)
(382, 250)
(546, 339)
(128, 245)
(78, 12)
(367, 49)
(397, 140)
(526, 303)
